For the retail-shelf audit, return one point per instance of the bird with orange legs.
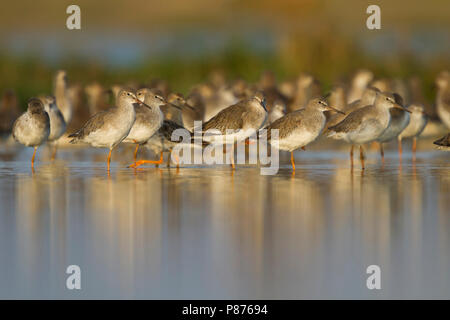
(108, 128)
(366, 124)
(149, 117)
(162, 142)
(299, 128)
(32, 128)
(399, 121)
(235, 123)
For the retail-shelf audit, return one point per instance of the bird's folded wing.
(230, 118)
(93, 124)
(351, 122)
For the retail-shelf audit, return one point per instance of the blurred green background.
(182, 41)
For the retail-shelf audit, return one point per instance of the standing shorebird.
(62, 96)
(443, 97)
(399, 121)
(243, 119)
(301, 127)
(57, 123)
(417, 122)
(149, 117)
(108, 128)
(443, 143)
(32, 128)
(367, 99)
(366, 124)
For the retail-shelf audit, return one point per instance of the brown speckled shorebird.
(108, 128)
(366, 124)
(367, 99)
(299, 128)
(149, 117)
(242, 118)
(32, 128)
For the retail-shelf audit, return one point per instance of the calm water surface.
(207, 233)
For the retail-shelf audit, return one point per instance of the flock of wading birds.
(362, 111)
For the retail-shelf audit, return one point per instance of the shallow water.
(208, 233)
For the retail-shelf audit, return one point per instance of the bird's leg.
(109, 158)
(55, 148)
(177, 161)
(382, 152)
(351, 156)
(414, 146)
(135, 152)
(361, 156)
(400, 149)
(169, 159)
(292, 161)
(141, 162)
(232, 156)
(32, 158)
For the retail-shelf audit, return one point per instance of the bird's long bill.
(334, 109)
(264, 104)
(401, 107)
(189, 106)
(141, 102)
